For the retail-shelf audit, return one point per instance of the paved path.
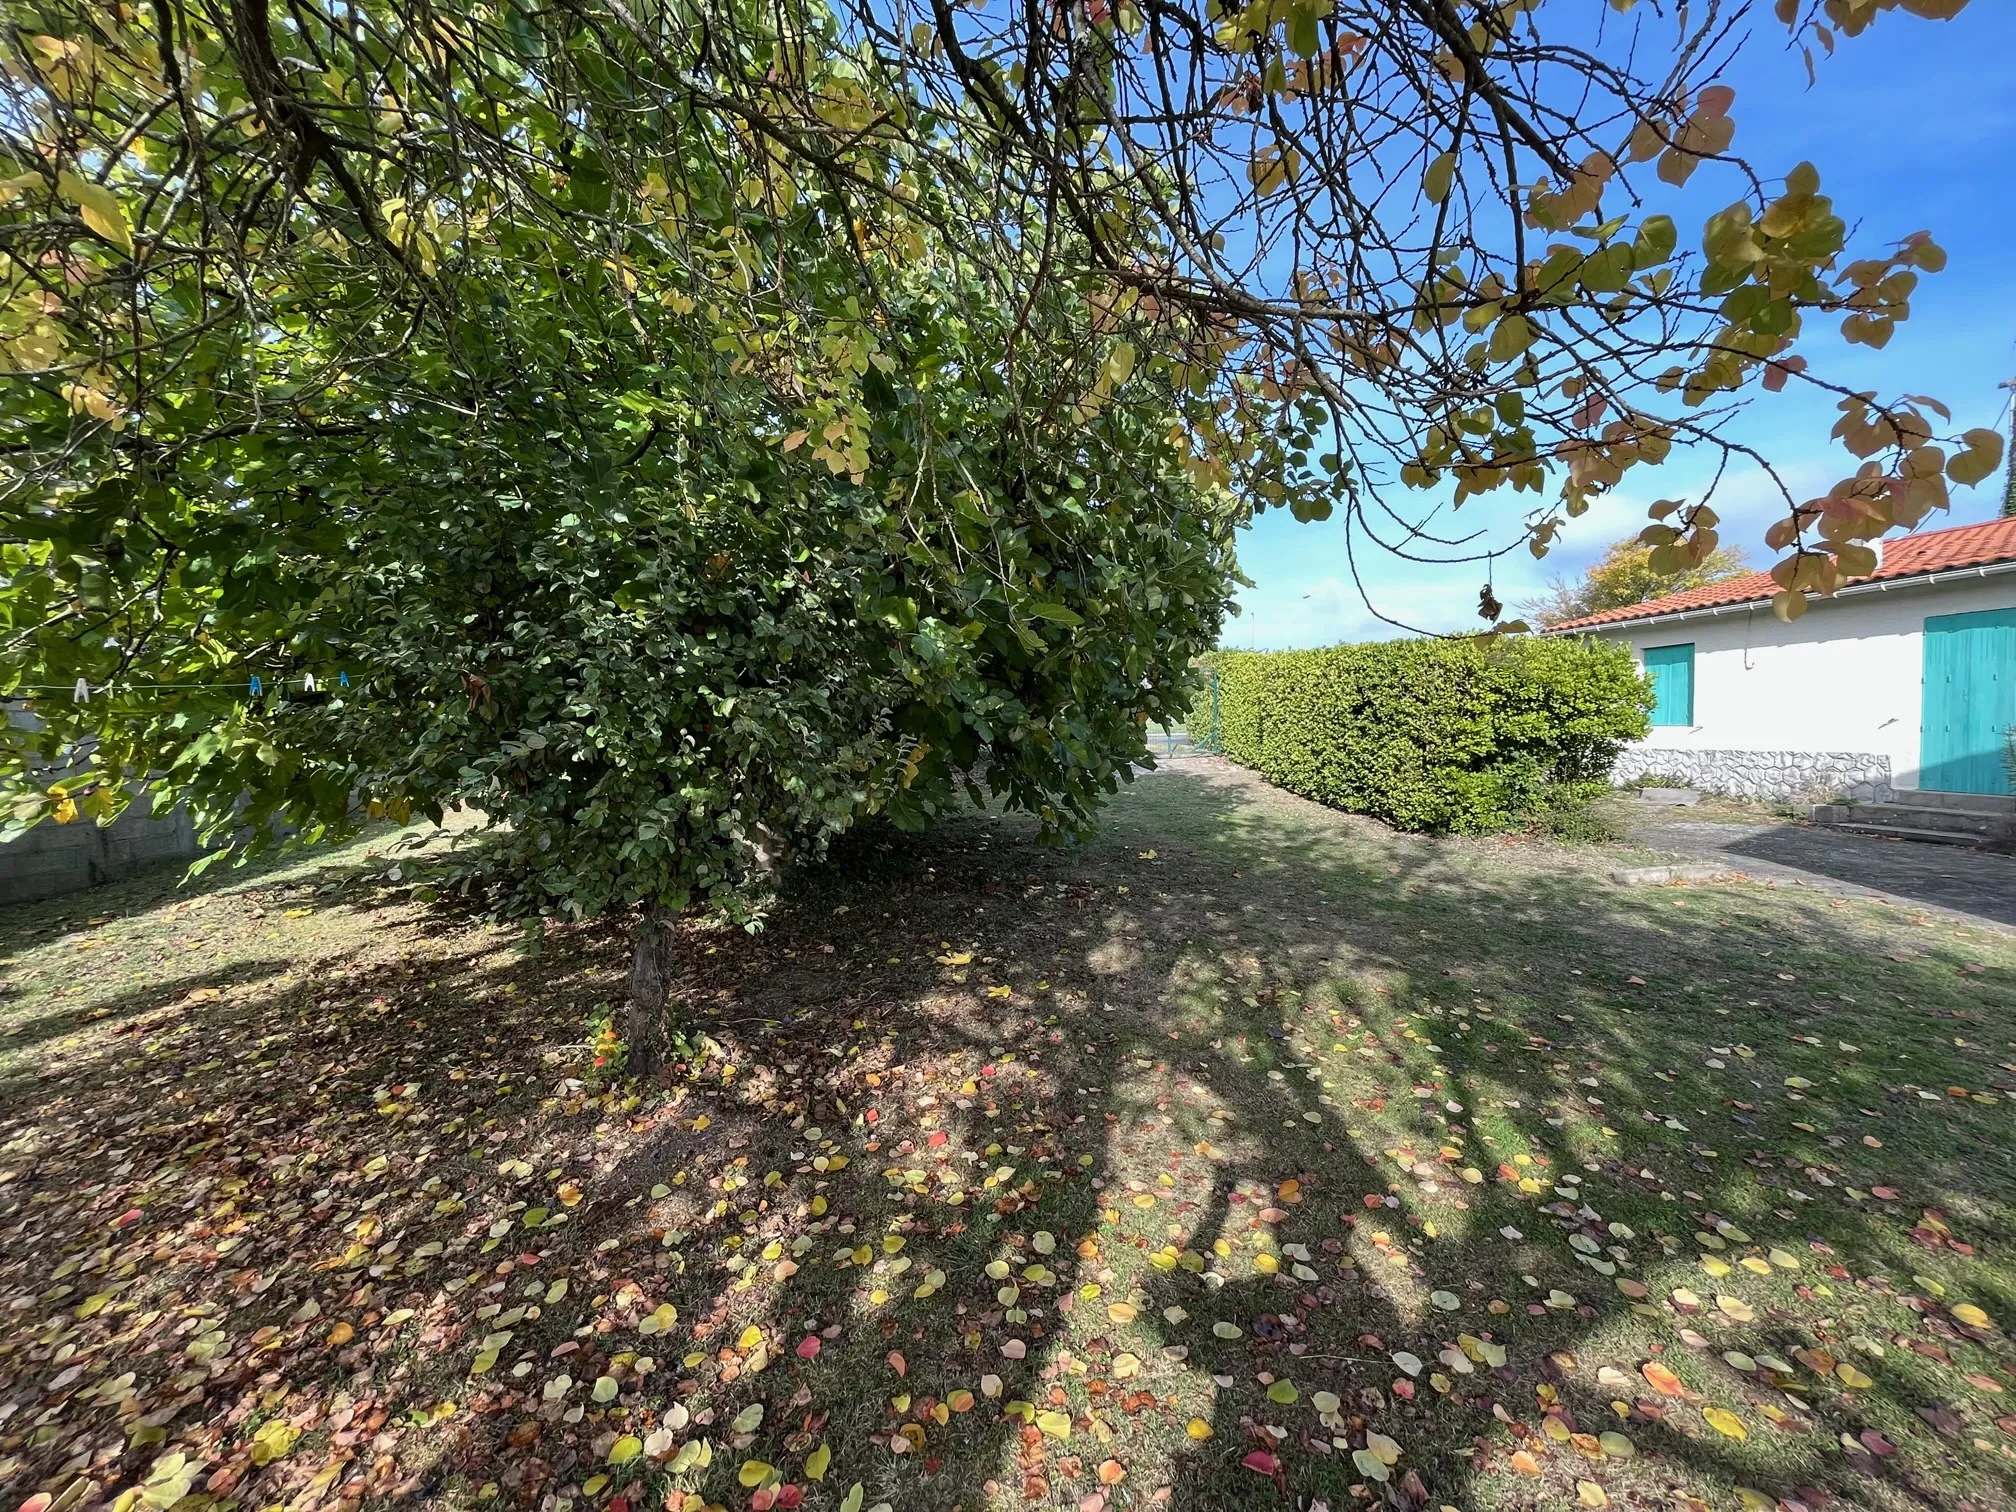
(1973, 885)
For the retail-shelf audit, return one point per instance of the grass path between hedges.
(1247, 1156)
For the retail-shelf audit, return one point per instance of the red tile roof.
(1905, 557)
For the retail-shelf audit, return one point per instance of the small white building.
(1902, 681)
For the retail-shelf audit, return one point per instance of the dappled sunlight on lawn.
(1247, 1152)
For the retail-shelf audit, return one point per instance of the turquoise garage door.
(1970, 702)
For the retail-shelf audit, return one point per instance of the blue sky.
(1913, 127)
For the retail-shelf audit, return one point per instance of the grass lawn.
(1247, 1156)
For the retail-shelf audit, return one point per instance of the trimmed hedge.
(1440, 735)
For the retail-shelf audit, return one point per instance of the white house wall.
(1843, 681)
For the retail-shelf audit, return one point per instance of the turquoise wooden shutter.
(1671, 669)
(1970, 702)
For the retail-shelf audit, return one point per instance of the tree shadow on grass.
(146, 1011)
(1147, 954)
(1624, 1100)
(1370, 1015)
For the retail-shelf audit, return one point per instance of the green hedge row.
(1441, 735)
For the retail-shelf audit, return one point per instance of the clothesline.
(82, 691)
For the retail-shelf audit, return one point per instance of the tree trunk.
(651, 966)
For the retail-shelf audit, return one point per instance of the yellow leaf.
(1972, 1316)
(1979, 461)
(274, 1440)
(1056, 1424)
(1852, 1378)
(100, 208)
(625, 1449)
(1589, 1494)
(753, 1473)
(1198, 1429)
(1725, 1422)
(1435, 182)
(817, 1461)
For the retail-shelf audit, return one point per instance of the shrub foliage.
(1457, 735)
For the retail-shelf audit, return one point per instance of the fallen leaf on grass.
(1661, 1379)
(1725, 1422)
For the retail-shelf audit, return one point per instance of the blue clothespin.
(255, 685)
(342, 679)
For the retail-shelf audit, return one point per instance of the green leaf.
(1302, 35)
(1056, 612)
(1511, 337)
(1656, 239)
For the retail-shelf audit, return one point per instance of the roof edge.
(1587, 626)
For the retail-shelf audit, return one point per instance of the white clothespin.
(308, 683)
(82, 692)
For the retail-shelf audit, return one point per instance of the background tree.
(1623, 576)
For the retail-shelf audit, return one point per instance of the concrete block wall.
(52, 859)
(60, 858)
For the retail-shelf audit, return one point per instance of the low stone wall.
(1787, 776)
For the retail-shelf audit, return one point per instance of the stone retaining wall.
(1784, 776)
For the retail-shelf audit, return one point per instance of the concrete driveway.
(1977, 886)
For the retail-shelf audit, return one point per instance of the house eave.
(1884, 585)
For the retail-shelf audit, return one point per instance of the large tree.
(610, 480)
(698, 419)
